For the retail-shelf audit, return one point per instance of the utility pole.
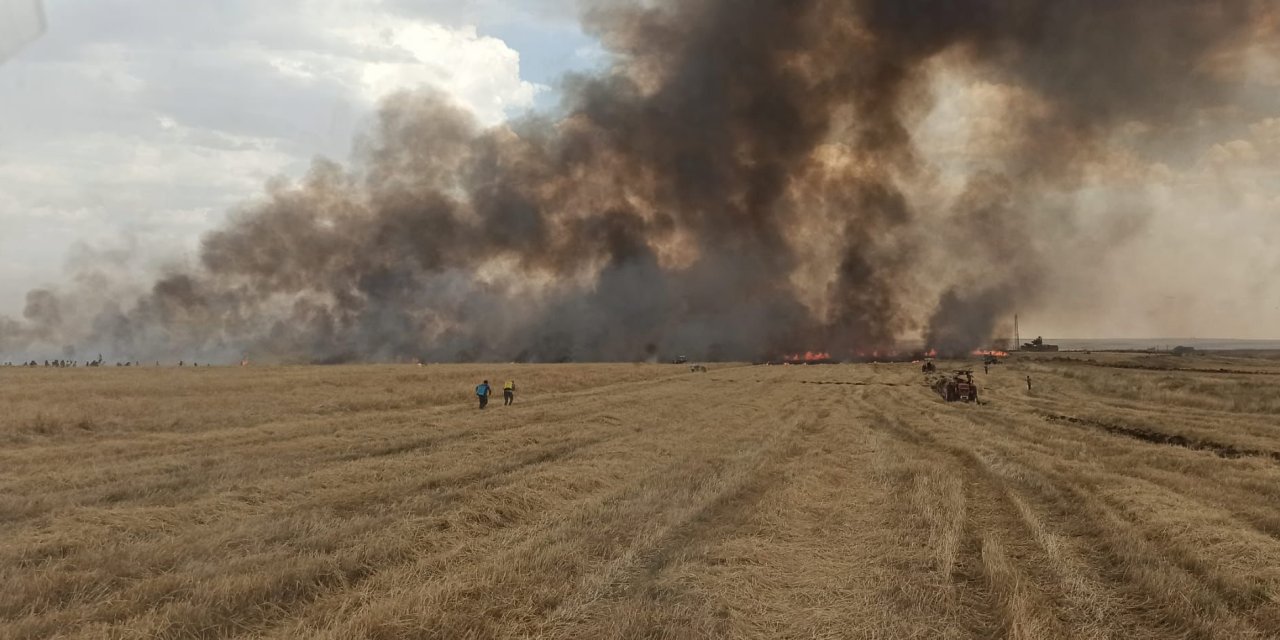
(1017, 339)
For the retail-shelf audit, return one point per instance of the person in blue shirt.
(482, 392)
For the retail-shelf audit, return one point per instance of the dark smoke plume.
(740, 183)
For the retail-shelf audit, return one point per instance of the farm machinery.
(956, 387)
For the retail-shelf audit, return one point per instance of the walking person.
(509, 393)
(482, 392)
(1028, 383)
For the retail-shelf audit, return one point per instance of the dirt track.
(803, 502)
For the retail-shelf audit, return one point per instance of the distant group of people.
(68, 364)
(483, 391)
(61, 364)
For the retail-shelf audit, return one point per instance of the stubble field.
(1118, 498)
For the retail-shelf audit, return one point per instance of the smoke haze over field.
(746, 179)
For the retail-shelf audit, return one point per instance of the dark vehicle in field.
(957, 387)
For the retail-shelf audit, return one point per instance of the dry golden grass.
(640, 501)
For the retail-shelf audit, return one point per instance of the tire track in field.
(1045, 581)
(1161, 597)
(994, 548)
(1118, 538)
(1229, 488)
(1081, 601)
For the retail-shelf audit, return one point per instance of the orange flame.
(990, 352)
(808, 356)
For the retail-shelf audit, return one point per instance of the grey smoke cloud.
(744, 181)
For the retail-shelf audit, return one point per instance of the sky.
(130, 127)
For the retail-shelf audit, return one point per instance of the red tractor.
(957, 387)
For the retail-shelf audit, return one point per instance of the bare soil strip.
(1156, 437)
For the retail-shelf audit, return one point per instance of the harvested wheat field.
(1119, 498)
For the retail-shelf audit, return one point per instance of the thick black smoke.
(736, 185)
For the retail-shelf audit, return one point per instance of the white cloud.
(480, 72)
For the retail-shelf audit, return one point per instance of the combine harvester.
(957, 387)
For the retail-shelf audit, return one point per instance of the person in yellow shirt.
(509, 393)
